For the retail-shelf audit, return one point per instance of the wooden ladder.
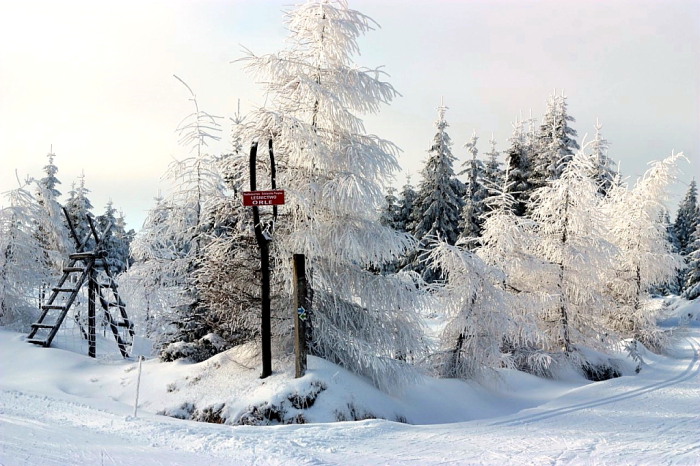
(84, 267)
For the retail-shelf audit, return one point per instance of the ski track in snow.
(690, 372)
(654, 423)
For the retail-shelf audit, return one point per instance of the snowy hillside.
(60, 407)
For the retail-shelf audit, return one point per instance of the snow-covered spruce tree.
(493, 173)
(555, 143)
(519, 166)
(687, 218)
(692, 277)
(390, 217)
(24, 270)
(333, 174)
(52, 231)
(79, 208)
(644, 258)
(401, 219)
(475, 194)
(604, 170)
(116, 241)
(571, 241)
(477, 314)
(406, 201)
(390, 212)
(437, 208)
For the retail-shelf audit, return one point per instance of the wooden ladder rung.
(37, 325)
(37, 342)
(64, 290)
(73, 269)
(52, 306)
(82, 255)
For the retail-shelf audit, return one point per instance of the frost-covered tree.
(519, 166)
(390, 212)
(228, 277)
(24, 269)
(333, 174)
(79, 207)
(406, 201)
(507, 239)
(168, 249)
(493, 173)
(571, 242)
(692, 277)
(672, 286)
(644, 258)
(604, 170)
(52, 232)
(477, 311)
(51, 181)
(475, 194)
(555, 143)
(507, 244)
(687, 218)
(439, 202)
(153, 284)
(116, 240)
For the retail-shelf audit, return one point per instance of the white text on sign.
(263, 198)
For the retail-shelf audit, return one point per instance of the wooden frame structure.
(84, 267)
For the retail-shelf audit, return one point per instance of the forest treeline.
(536, 257)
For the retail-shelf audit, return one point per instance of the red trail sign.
(258, 198)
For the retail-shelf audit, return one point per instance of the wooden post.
(92, 291)
(265, 325)
(301, 313)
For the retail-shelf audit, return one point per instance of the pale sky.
(94, 79)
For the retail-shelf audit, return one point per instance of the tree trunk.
(564, 314)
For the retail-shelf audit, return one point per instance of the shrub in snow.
(198, 350)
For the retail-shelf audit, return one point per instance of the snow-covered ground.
(60, 407)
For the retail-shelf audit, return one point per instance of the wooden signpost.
(263, 236)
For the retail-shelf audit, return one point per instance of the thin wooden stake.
(138, 386)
